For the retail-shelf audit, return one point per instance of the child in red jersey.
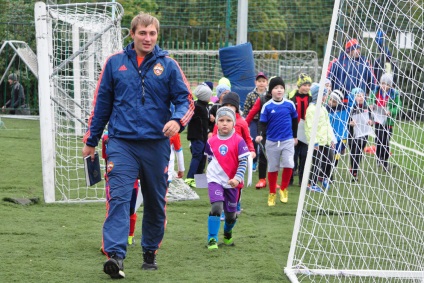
(176, 150)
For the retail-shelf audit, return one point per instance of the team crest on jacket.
(223, 149)
(109, 166)
(158, 69)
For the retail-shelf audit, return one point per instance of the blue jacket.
(338, 119)
(348, 73)
(136, 101)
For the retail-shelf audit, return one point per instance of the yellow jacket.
(325, 134)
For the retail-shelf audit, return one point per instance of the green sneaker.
(228, 238)
(130, 241)
(191, 182)
(212, 244)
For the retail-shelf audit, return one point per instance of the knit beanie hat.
(233, 99)
(352, 45)
(224, 81)
(387, 79)
(303, 79)
(274, 82)
(221, 88)
(203, 92)
(210, 84)
(315, 91)
(337, 95)
(352, 96)
(357, 90)
(13, 77)
(225, 111)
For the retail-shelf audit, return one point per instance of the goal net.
(73, 42)
(370, 229)
(204, 65)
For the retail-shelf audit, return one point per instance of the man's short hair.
(144, 20)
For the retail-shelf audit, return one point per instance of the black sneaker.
(149, 261)
(114, 267)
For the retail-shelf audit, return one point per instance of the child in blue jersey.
(228, 154)
(279, 120)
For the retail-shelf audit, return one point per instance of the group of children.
(280, 129)
(347, 121)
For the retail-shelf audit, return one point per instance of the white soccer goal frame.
(25, 53)
(73, 43)
(50, 92)
(296, 270)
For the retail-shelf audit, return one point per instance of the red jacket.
(256, 108)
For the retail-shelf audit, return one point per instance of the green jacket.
(325, 133)
(394, 104)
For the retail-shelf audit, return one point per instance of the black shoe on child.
(149, 261)
(114, 267)
(354, 178)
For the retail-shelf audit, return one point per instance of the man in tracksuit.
(133, 95)
(351, 70)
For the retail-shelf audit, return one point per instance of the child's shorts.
(279, 154)
(228, 196)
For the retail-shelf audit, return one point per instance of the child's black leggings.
(322, 163)
(382, 143)
(357, 147)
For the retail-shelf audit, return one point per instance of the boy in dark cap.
(232, 100)
(261, 84)
(279, 120)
